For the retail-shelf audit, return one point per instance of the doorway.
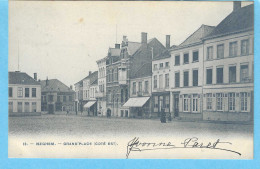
(176, 105)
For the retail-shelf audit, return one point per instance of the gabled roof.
(238, 21)
(165, 53)
(197, 36)
(93, 75)
(54, 85)
(95, 82)
(133, 47)
(144, 71)
(21, 78)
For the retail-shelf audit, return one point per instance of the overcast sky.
(64, 40)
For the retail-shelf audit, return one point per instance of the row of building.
(209, 76)
(29, 96)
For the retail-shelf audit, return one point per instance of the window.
(134, 88)
(167, 102)
(116, 74)
(155, 81)
(185, 103)
(186, 58)
(195, 77)
(33, 92)
(232, 49)
(26, 107)
(156, 103)
(244, 47)
(155, 67)
(209, 101)
(58, 98)
(232, 74)
(243, 73)
(27, 92)
(160, 81)
(231, 102)
(20, 107)
(20, 92)
(195, 56)
(167, 80)
(10, 91)
(177, 79)
(64, 98)
(195, 103)
(70, 98)
(209, 76)
(161, 65)
(122, 95)
(220, 51)
(220, 75)
(112, 75)
(146, 86)
(210, 53)
(220, 101)
(140, 87)
(166, 64)
(177, 60)
(10, 106)
(186, 78)
(243, 101)
(126, 94)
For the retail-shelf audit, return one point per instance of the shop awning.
(136, 102)
(89, 104)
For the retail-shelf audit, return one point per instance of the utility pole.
(18, 56)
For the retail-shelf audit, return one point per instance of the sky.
(63, 40)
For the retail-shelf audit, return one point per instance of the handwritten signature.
(189, 143)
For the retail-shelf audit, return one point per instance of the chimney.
(236, 5)
(124, 38)
(168, 41)
(35, 76)
(144, 37)
(89, 73)
(47, 81)
(117, 46)
(71, 87)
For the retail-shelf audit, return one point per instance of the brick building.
(56, 96)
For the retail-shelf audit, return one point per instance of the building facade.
(112, 80)
(186, 74)
(79, 96)
(101, 91)
(140, 103)
(161, 81)
(89, 93)
(56, 96)
(24, 94)
(229, 68)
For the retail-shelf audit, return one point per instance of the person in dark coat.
(163, 116)
(108, 112)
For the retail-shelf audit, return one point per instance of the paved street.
(73, 125)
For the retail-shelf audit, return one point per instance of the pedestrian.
(163, 116)
(108, 112)
(67, 112)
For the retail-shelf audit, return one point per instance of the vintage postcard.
(131, 80)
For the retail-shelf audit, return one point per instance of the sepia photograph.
(131, 79)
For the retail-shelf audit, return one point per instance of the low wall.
(190, 116)
(227, 116)
(18, 114)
